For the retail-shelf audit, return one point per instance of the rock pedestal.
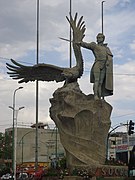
(83, 124)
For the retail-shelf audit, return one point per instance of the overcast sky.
(18, 41)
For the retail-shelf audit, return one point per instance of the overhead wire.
(123, 115)
(119, 74)
(4, 58)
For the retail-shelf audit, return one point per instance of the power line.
(119, 74)
(123, 115)
(7, 59)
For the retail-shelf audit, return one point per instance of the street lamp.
(56, 141)
(22, 139)
(14, 133)
(109, 133)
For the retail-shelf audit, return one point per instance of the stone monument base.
(104, 170)
(107, 172)
(83, 124)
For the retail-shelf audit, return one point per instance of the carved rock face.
(83, 125)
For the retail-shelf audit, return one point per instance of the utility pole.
(128, 142)
(107, 140)
(14, 134)
(37, 89)
(130, 131)
(70, 50)
(102, 15)
(56, 145)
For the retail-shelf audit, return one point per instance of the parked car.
(6, 176)
(38, 175)
(23, 176)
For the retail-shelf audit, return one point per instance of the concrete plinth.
(83, 124)
(72, 178)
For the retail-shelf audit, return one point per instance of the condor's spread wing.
(43, 72)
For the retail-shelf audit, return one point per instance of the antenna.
(102, 15)
(70, 45)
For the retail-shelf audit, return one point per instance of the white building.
(49, 145)
(120, 145)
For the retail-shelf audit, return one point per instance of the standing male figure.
(102, 69)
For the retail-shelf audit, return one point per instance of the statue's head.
(100, 38)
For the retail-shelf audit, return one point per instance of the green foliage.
(5, 146)
(4, 169)
(114, 162)
(62, 163)
(52, 172)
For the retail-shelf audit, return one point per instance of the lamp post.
(56, 141)
(107, 141)
(14, 134)
(37, 89)
(128, 141)
(22, 140)
(70, 36)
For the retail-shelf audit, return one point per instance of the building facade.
(120, 146)
(49, 145)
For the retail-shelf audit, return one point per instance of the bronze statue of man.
(102, 69)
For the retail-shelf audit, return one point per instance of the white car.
(6, 176)
(23, 176)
